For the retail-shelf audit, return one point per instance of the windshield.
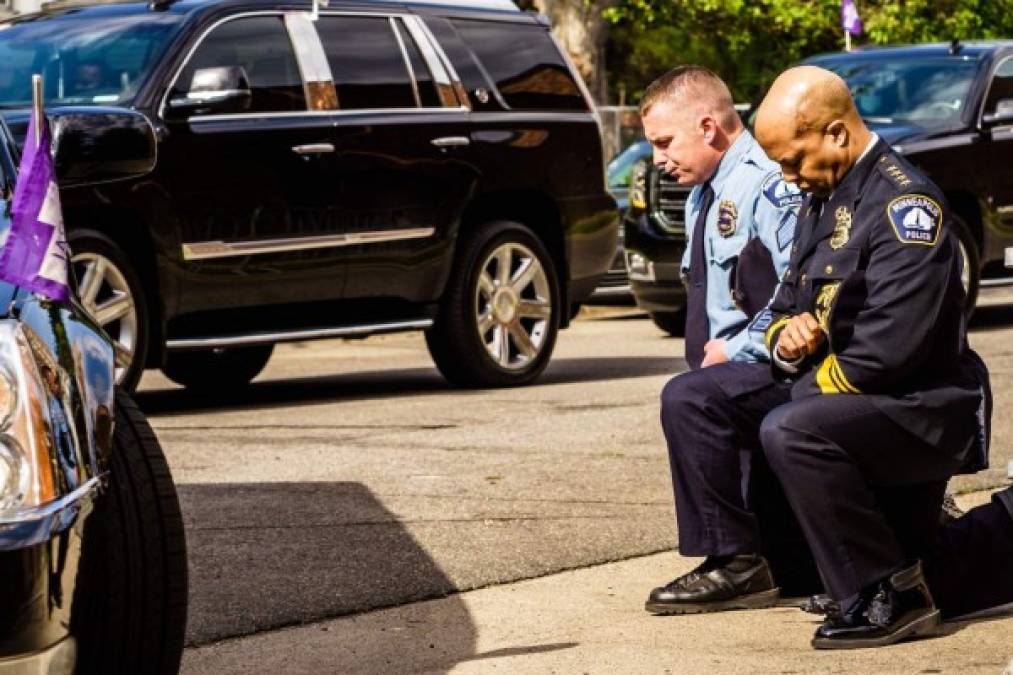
(923, 91)
(619, 169)
(96, 58)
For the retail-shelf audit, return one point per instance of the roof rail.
(499, 5)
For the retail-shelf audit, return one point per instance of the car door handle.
(451, 141)
(313, 148)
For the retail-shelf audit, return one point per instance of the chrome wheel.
(513, 302)
(106, 296)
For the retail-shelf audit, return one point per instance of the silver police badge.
(728, 218)
(916, 219)
(842, 229)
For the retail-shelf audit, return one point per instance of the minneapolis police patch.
(780, 192)
(916, 219)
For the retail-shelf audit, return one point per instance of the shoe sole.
(761, 600)
(921, 627)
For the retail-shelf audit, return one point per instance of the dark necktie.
(697, 323)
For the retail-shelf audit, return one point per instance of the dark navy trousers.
(841, 462)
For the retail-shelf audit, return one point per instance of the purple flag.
(34, 253)
(850, 21)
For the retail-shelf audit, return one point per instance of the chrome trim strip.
(297, 335)
(436, 67)
(407, 61)
(309, 55)
(36, 513)
(446, 63)
(995, 283)
(325, 113)
(211, 250)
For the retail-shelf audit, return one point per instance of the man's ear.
(709, 128)
(839, 133)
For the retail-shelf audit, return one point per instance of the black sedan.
(92, 551)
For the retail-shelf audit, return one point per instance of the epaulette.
(890, 168)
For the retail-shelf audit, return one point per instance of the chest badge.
(728, 218)
(842, 230)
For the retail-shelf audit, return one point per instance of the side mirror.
(98, 145)
(1003, 113)
(223, 89)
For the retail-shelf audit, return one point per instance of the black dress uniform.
(889, 404)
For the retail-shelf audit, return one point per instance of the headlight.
(27, 471)
(638, 185)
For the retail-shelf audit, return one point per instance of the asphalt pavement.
(350, 477)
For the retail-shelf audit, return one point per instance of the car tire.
(131, 596)
(971, 265)
(217, 368)
(106, 276)
(521, 309)
(673, 323)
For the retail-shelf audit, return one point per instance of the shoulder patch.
(916, 219)
(780, 192)
(894, 173)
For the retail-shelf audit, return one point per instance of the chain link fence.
(620, 127)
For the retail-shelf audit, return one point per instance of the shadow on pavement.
(264, 556)
(998, 317)
(383, 384)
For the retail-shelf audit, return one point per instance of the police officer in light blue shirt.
(739, 195)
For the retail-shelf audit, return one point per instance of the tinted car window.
(97, 56)
(523, 61)
(366, 62)
(923, 91)
(1002, 85)
(261, 47)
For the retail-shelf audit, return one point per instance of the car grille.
(668, 203)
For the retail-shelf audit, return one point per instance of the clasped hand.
(800, 337)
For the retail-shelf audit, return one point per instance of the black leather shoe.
(895, 609)
(821, 604)
(737, 582)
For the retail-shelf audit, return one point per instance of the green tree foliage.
(749, 42)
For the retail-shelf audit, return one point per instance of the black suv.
(948, 108)
(339, 172)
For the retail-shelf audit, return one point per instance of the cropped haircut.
(695, 86)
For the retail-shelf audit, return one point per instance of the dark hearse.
(946, 107)
(374, 167)
(92, 550)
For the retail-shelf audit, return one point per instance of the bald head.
(808, 123)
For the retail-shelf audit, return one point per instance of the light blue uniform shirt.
(750, 200)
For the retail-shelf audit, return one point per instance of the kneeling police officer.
(873, 390)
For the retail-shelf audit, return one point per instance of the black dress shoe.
(730, 582)
(821, 604)
(895, 609)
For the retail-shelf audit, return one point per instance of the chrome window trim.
(436, 67)
(309, 53)
(214, 250)
(407, 61)
(435, 57)
(200, 40)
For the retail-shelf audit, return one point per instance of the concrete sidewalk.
(591, 621)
